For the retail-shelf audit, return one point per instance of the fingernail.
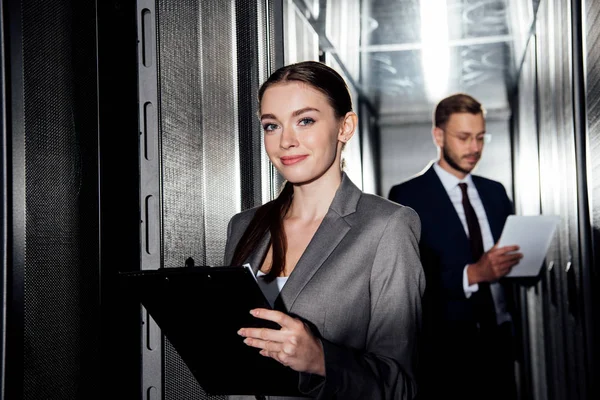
(240, 332)
(253, 312)
(246, 340)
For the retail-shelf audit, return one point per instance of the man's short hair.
(457, 103)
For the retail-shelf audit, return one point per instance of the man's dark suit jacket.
(449, 326)
(444, 244)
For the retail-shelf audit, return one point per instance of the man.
(467, 324)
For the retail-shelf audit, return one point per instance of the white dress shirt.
(270, 289)
(450, 183)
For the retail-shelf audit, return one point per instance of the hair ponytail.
(267, 217)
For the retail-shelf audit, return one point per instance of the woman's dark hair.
(270, 216)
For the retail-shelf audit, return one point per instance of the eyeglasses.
(467, 139)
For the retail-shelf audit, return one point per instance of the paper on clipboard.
(533, 234)
(249, 267)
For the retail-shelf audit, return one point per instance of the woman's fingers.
(267, 345)
(260, 333)
(270, 340)
(281, 352)
(288, 326)
(293, 345)
(282, 319)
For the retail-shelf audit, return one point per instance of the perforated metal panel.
(212, 57)
(343, 17)
(61, 310)
(549, 169)
(557, 353)
(527, 202)
(592, 58)
(593, 113)
(301, 40)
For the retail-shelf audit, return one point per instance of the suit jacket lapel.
(487, 201)
(446, 215)
(327, 237)
(258, 255)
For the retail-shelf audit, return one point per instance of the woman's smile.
(290, 160)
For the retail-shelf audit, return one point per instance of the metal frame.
(275, 10)
(118, 187)
(150, 192)
(578, 24)
(152, 345)
(12, 168)
(4, 259)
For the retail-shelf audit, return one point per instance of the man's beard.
(452, 162)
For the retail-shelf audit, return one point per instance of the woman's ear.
(348, 127)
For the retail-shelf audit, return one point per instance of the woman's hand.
(294, 345)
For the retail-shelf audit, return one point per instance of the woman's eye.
(269, 127)
(306, 121)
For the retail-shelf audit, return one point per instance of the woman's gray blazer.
(360, 284)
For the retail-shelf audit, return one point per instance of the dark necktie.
(483, 304)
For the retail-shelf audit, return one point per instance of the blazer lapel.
(446, 215)
(258, 255)
(327, 237)
(488, 206)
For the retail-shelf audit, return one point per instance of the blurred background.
(130, 137)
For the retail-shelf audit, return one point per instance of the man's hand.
(494, 264)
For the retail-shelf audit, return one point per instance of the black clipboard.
(200, 309)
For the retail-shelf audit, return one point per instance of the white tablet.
(533, 234)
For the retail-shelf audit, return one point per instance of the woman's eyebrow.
(264, 116)
(294, 114)
(303, 110)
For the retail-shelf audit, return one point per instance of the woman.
(346, 262)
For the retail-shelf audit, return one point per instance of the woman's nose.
(288, 139)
